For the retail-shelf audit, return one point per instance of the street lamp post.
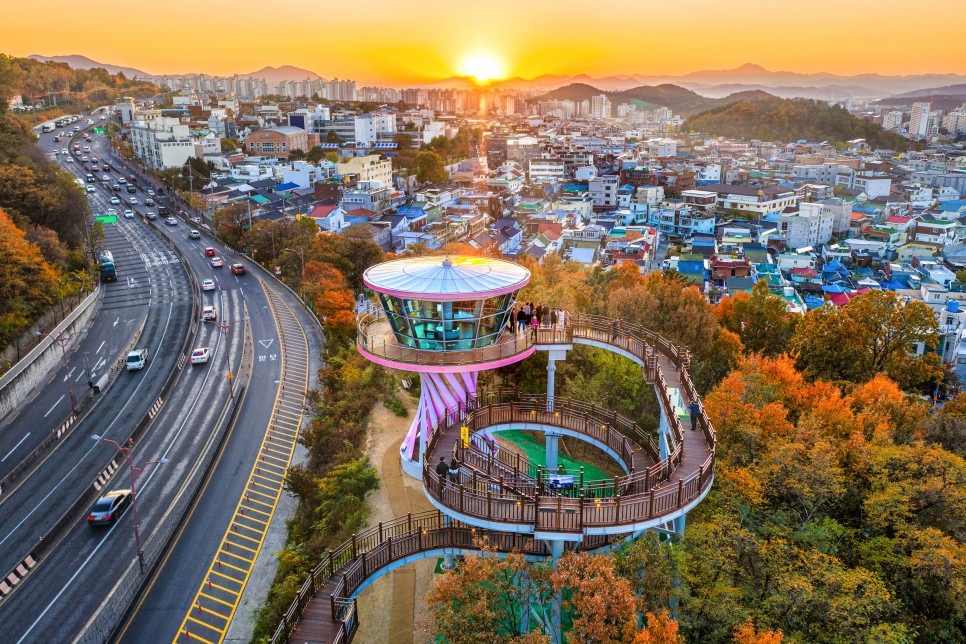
(128, 452)
(62, 341)
(301, 254)
(225, 329)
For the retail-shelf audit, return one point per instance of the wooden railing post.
(617, 508)
(389, 546)
(680, 492)
(354, 553)
(489, 504)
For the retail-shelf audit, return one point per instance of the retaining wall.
(23, 378)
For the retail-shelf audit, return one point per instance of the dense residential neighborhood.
(592, 182)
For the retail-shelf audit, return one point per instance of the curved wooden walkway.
(654, 490)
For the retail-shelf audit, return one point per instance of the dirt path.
(394, 609)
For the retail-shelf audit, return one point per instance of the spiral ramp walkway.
(512, 504)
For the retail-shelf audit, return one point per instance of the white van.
(137, 359)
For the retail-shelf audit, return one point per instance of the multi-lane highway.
(65, 590)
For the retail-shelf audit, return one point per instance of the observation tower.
(447, 319)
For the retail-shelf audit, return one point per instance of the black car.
(109, 507)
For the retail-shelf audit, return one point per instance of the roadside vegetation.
(332, 485)
(45, 233)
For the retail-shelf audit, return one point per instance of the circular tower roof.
(449, 278)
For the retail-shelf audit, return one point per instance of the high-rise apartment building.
(600, 107)
(919, 123)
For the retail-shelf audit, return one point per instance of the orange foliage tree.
(334, 302)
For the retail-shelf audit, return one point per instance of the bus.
(105, 262)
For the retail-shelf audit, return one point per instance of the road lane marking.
(52, 406)
(15, 447)
(101, 347)
(267, 483)
(71, 373)
(141, 486)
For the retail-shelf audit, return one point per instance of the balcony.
(376, 339)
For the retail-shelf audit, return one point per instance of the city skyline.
(434, 40)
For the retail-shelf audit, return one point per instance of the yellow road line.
(268, 485)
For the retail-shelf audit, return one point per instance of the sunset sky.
(395, 43)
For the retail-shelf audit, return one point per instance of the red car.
(209, 252)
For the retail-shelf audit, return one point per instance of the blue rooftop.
(953, 205)
(411, 212)
(691, 267)
(284, 187)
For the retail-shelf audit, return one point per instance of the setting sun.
(482, 67)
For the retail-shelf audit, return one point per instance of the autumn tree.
(760, 319)
(489, 598)
(430, 168)
(334, 302)
(28, 285)
(875, 332)
(315, 154)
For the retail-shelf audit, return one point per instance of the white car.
(111, 212)
(90, 122)
(70, 159)
(200, 356)
(90, 188)
(115, 201)
(64, 151)
(103, 118)
(207, 285)
(151, 193)
(208, 314)
(84, 159)
(134, 201)
(104, 177)
(129, 214)
(171, 221)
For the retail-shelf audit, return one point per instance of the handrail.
(365, 553)
(508, 345)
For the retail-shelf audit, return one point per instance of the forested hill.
(776, 119)
(43, 228)
(38, 81)
(678, 99)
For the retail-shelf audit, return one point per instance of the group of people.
(451, 471)
(533, 317)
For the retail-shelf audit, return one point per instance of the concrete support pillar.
(552, 445)
(556, 550)
(552, 357)
(663, 436)
(679, 525)
(448, 552)
(551, 371)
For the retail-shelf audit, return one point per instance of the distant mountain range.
(709, 83)
(271, 74)
(941, 98)
(285, 72)
(76, 61)
(720, 83)
(679, 99)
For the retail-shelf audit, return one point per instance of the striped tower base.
(439, 392)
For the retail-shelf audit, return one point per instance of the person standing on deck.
(442, 471)
(695, 409)
(615, 330)
(454, 470)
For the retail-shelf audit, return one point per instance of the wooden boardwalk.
(654, 490)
